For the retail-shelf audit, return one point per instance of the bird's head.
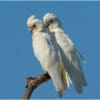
(35, 25)
(51, 21)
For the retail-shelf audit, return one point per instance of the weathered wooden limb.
(33, 83)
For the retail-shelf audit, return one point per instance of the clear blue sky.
(81, 20)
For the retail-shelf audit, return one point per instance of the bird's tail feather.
(55, 75)
(75, 75)
(66, 78)
(77, 68)
(76, 80)
(78, 87)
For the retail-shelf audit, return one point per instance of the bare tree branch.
(33, 83)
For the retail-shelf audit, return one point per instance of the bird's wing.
(70, 43)
(64, 73)
(71, 60)
(80, 55)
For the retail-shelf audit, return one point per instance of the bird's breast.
(40, 46)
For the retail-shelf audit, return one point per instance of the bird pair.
(56, 53)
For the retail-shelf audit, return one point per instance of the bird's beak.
(47, 24)
(30, 30)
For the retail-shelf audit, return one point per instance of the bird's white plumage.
(47, 53)
(30, 21)
(70, 55)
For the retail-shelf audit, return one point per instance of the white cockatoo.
(70, 55)
(47, 54)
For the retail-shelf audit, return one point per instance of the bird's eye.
(34, 26)
(51, 21)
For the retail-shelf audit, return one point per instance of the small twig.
(33, 83)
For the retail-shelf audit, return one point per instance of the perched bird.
(47, 54)
(70, 55)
